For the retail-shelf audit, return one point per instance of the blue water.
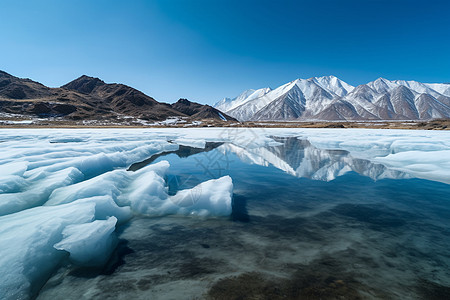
(357, 235)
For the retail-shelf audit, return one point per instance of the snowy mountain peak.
(334, 85)
(381, 85)
(245, 94)
(328, 77)
(381, 81)
(329, 98)
(327, 80)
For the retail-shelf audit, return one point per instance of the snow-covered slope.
(334, 84)
(329, 98)
(227, 104)
(442, 88)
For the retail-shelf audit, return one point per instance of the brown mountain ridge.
(90, 98)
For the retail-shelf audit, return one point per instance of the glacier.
(63, 192)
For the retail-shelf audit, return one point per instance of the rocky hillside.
(199, 111)
(89, 98)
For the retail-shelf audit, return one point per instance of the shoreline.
(408, 125)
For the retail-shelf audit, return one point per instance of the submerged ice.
(64, 192)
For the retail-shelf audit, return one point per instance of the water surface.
(307, 223)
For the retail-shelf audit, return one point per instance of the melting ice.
(63, 192)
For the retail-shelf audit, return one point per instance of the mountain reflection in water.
(307, 223)
(298, 157)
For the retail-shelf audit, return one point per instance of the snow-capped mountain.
(329, 98)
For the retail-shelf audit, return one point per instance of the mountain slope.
(199, 111)
(227, 104)
(120, 99)
(329, 98)
(89, 98)
(288, 106)
(16, 88)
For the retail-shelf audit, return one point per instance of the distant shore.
(417, 125)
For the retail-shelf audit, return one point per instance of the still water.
(307, 223)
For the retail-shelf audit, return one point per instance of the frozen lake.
(224, 214)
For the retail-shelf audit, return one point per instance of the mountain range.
(324, 98)
(328, 98)
(89, 98)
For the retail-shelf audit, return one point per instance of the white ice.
(62, 190)
(195, 143)
(27, 256)
(212, 197)
(89, 243)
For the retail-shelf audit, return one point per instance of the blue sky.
(205, 50)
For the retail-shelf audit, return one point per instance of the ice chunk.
(110, 184)
(27, 256)
(90, 243)
(105, 207)
(212, 197)
(107, 184)
(147, 194)
(159, 168)
(12, 184)
(38, 192)
(13, 168)
(92, 161)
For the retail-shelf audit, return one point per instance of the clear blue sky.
(205, 50)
